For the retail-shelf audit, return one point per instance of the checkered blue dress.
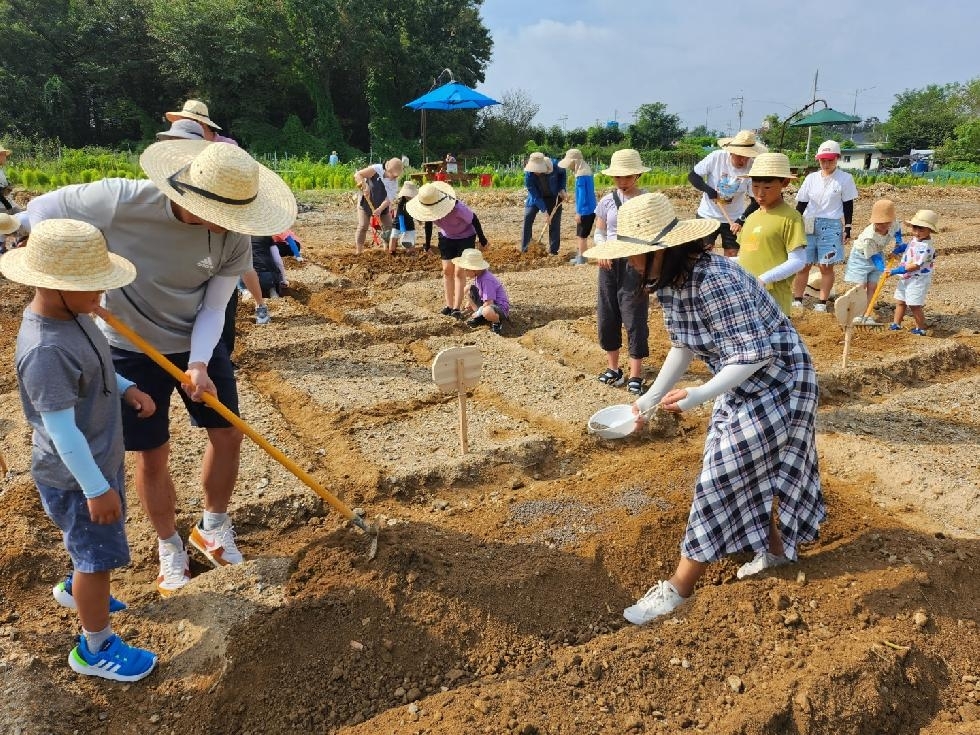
(761, 441)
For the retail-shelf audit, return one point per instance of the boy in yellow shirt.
(772, 240)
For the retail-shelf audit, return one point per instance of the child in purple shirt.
(487, 294)
(459, 229)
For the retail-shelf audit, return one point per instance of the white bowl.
(613, 422)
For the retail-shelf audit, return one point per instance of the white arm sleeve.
(793, 265)
(675, 365)
(46, 206)
(726, 379)
(210, 318)
(277, 258)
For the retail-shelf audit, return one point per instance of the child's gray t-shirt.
(57, 368)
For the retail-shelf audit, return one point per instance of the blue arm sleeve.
(74, 451)
(123, 384)
(878, 261)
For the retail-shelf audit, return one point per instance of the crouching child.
(486, 294)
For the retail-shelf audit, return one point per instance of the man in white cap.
(187, 229)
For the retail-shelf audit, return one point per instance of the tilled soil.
(494, 604)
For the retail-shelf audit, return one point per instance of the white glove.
(598, 237)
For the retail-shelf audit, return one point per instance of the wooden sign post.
(846, 308)
(456, 369)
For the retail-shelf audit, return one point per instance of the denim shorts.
(861, 270)
(825, 246)
(93, 547)
(150, 433)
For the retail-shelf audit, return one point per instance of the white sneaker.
(762, 561)
(797, 303)
(659, 600)
(218, 545)
(175, 570)
(821, 308)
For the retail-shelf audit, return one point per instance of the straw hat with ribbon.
(194, 110)
(67, 255)
(409, 189)
(626, 162)
(221, 184)
(433, 202)
(769, 166)
(743, 144)
(572, 160)
(646, 223)
(8, 225)
(925, 218)
(882, 212)
(539, 163)
(472, 260)
(182, 129)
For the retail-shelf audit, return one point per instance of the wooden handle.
(881, 284)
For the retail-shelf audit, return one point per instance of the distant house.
(866, 156)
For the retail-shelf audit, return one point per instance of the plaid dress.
(761, 441)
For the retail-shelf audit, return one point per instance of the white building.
(867, 157)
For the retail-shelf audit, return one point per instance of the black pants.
(621, 306)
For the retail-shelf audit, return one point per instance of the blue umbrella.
(451, 96)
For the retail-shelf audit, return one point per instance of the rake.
(547, 223)
(892, 261)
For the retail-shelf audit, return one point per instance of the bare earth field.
(494, 604)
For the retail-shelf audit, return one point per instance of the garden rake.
(370, 529)
(547, 223)
(872, 324)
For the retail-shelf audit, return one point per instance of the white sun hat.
(67, 255)
(539, 163)
(925, 218)
(472, 260)
(221, 184)
(433, 202)
(183, 129)
(626, 162)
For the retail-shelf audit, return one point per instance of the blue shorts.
(150, 433)
(861, 270)
(93, 547)
(826, 245)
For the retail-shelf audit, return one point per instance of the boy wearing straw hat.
(760, 447)
(585, 201)
(773, 241)
(915, 271)
(726, 196)
(187, 231)
(545, 183)
(71, 398)
(487, 295)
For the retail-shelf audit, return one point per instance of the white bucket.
(613, 422)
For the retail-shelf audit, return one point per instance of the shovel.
(846, 307)
(177, 374)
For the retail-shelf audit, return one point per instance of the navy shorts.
(450, 248)
(93, 547)
(583, 228)
(150, 433)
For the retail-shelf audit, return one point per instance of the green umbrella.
(827, 116)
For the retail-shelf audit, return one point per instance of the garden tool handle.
(177, 374)
(881, 284)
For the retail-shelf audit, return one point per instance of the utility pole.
(813, 101)
(740, 100)
(563, 119)
(854, 109)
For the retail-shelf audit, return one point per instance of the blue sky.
(598, 60)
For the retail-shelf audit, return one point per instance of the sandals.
(612, 377)
(635, 386)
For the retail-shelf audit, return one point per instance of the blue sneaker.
(115, 660)
(894, 327)
(62, 593)
(917, 332)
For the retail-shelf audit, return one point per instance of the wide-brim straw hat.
(221, 184)
(572, 160)
(433, 202)
(925, 218)
(626, 162)
(743, 144)
(183, 129)
(472, 260)
(648, 222)
(409, 189)
(194, 110)
(67, 255)
(883, 211)
(539, 163)
(769, 165)
(8, 224)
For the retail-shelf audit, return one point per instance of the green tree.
(654, 127)
(924, 118)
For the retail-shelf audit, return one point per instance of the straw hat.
(8, 225)
(883, 211)
(539, 163)
(67, 255)
(183, 129)
(221, 184)
(194, 110)
(434, 201)
(925, 218)
(472, 260)
(743, 144)
(829, 149)
(648, 222)
(394, 166)
(572, 160)
(409, 189)
(769, 165)
(626, 162)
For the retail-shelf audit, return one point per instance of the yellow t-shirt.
(765, 241)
